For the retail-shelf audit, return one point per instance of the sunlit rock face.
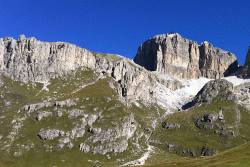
(28, 59)
(216, 63)
(176, 56)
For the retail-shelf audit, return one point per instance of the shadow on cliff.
(190, 104)
(233, 69)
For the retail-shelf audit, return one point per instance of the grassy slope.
(188, 136)
(112, 57)
(237, 157)
(40, 155)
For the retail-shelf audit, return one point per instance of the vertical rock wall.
(216, 63)
(245, 71)
(28, 59)
(176, 56)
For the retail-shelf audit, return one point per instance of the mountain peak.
(183, 58)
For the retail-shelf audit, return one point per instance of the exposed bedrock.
(28, 59)
(176, 56)
(245, 71)
(212, 89)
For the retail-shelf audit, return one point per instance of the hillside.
(238, 156)
(62, 105)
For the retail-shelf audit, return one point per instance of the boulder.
(42, 114)
(64, 140)
(70, 145)
(167, 125)
(59, 113)
(84, 147)
(49, 134)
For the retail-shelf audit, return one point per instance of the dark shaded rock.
(207, 151)
(210, 118)
(170, 125)
(245, 71)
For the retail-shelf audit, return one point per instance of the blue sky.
(120, 26)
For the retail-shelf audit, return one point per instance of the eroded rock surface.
(49, 134)
(176, 56)
(112, 139)
(42, 114)
(28, 59)
(211, 89)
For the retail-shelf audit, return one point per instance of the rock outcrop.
(42, 114)
(176, 56)
(167, 125)
(49, 134)
(211, 89)
(111, 139)
(245, 71)
(243, 94)
(135, 82)
(28, 59)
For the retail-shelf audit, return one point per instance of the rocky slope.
(212, 89)
(176, 56)
(62, 105)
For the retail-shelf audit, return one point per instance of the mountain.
(62, 105)
(176, 56)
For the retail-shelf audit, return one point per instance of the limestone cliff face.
(28, 59)
(245, 71)
(176, 56)
(135, 82)
(216, 63)
(170, 54)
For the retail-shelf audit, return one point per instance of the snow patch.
(137, 104)
(179, 97)
(176, 99)
(236, 81)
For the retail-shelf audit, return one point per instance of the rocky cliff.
(28, 59)
(176, 56)
(245, 71)
(134, 82)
